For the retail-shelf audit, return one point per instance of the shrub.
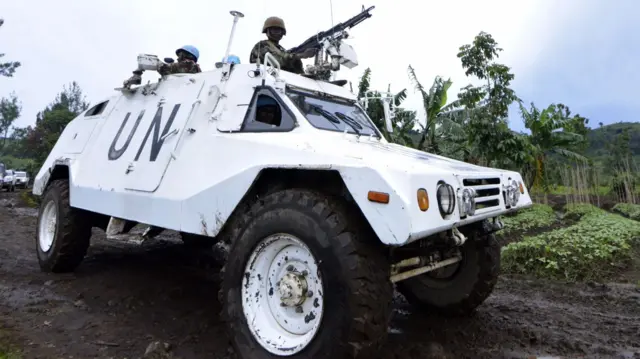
(595, 247)
(628, 210)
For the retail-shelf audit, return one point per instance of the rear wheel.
(304, 279)
(64, 233)
(196, 241)
(460, 288)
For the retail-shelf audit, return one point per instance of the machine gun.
(331, 41)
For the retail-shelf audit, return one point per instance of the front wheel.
(304, 279)
(460, 288)
(63, 232)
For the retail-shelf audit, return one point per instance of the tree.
(434, 102)
(9, 111)
(403, 122)
(483, 110)
(7, 68)
(50, 122)
(553, 131)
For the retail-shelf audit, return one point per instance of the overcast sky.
(584, 53)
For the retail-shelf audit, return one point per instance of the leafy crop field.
(582, 242)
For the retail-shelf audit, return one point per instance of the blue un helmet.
(190, 50)
(232, 59)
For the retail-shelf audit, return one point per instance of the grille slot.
(487, 190)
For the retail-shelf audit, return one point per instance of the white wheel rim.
(47, 230)
(276, 269)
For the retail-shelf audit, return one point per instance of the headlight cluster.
(446, 199)
(467, 202)
(512, 193)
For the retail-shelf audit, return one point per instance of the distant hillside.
(600, 137)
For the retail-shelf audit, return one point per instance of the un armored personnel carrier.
(321, 215)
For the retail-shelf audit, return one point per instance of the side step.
(115, 231)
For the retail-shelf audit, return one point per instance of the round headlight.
(469, 201)
(446, 199)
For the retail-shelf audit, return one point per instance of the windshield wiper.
(328, 115)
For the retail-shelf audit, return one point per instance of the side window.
(96, 110)
(267, 114)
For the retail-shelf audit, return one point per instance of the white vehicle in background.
(321, 215)
(2, 171)
(22, 179)
(9, 181)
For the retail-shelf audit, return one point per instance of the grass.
(9, 354)
(597, 246)
(29, 200)
(7, 351)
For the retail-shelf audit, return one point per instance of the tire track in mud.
(123, 297)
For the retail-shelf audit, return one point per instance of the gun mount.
(335, 50)
(388, 105)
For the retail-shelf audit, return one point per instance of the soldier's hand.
(308, 53)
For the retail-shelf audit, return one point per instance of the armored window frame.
(97, 109)
(287, 118)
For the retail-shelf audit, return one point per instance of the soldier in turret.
(187, 63)
(275, 30)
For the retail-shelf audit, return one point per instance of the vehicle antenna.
(236, 15)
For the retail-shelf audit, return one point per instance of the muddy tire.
(463, 291)
(313, 251)
(196, 241)
(63, 233)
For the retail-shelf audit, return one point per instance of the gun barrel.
(314, 41)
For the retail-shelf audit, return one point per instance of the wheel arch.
(60, 169)
(340, 183)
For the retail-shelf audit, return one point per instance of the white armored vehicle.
(321, 215)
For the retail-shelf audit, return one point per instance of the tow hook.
(458, 237)
(489, 227)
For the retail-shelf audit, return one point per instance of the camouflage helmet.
(273, 21)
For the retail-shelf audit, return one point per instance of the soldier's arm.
(165, 69)
(282, 56)
(188, 66)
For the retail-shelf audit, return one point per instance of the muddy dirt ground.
(124, 297)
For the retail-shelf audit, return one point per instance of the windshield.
(9, 173)
(21, 174)
(333, 114)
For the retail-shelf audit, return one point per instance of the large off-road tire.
(461, 292)
(347, 304)
(63, 233)
(196, 241)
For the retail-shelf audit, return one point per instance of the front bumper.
(491, 199)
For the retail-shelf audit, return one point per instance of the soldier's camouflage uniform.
(185, 66)
(179, 67)
(288, 62)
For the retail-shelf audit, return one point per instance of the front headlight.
(446, 199)
(468, 202)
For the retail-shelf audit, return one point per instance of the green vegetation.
(628, 210)
(597, 246)
(9, 354)
(538, 216)
(7, 351)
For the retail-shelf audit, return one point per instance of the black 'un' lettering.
(157, 140)
(115, 154)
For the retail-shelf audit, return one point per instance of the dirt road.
(124, 297)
